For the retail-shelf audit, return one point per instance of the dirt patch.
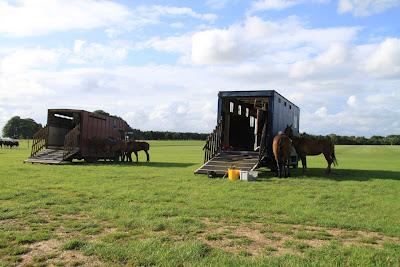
(277, 239)
(40, 249)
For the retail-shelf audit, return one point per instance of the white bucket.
(248, 175)
(244, 175)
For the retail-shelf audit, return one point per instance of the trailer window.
(247, 112)
(231, 107)
(239, 110)
(251, 121)
(290, 106)
(285, 103)
(63, 116)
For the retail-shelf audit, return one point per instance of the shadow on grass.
(151, 164)
(337, 174)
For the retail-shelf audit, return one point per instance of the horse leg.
(304, 163)
(136, 154)
(277, 170)
(329, 161)
(147, 155)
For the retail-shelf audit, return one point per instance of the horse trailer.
(247, 122)
(75, 134)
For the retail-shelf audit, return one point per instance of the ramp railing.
(39, 141)
(213, 143)
(71, 141)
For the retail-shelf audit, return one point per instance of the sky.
(160, 64)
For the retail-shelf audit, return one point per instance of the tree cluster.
(358, 140)
(19, 128)
(158, 135)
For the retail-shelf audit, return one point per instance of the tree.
(101, 112)
(21, 128)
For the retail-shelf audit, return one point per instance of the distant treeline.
(358, 140)
(158, 135)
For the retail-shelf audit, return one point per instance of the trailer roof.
(252, 94)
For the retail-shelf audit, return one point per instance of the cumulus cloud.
(323, 70)
(384, 61)
(257, 37)
(19, 60)
(29, 18)
(361, 8)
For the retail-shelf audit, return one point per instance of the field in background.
(159, 213)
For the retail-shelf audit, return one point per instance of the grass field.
(159, 213)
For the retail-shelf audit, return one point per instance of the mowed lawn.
(160, 213)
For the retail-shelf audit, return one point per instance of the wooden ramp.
(50, 156)
(242, 160)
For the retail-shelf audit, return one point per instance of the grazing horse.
(117, 148)
(282, 147)
(134, 147)
(309, 147)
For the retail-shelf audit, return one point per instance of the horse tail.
(334, 160)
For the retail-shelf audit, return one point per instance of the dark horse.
(282, 146)
(134, 147)
(308, 147)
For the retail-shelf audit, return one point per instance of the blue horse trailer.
(247, 122)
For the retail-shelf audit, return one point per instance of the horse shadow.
(336, 174)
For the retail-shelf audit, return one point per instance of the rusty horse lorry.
(76, 134)
(247, 122)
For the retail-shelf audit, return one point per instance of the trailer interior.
(60, 123)
(243, 122)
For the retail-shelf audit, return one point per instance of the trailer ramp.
(242, 160)
(51, 156)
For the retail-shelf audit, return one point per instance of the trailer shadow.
(152, 164)
(337, 174)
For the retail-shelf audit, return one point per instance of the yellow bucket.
(233, 174)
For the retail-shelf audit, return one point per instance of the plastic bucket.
(233, 174)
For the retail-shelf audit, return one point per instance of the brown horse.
(308, 147)
(134, 147)
(117, 148)
(282, 146)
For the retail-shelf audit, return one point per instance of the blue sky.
(160, 64)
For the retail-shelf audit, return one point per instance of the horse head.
(289, 131)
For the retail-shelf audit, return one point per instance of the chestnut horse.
(309, 147)
(116, 148)
(282, 147)
(134, 147)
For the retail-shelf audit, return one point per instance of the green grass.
(159, 213)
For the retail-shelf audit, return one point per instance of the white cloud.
(32, 17)
(352, 101)
(362, 8)
(19, 60)
(157, 11)
(384, 61)
(88, 52)
(257, 37)
(328, 60)
(341, 86)
(39, 17)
